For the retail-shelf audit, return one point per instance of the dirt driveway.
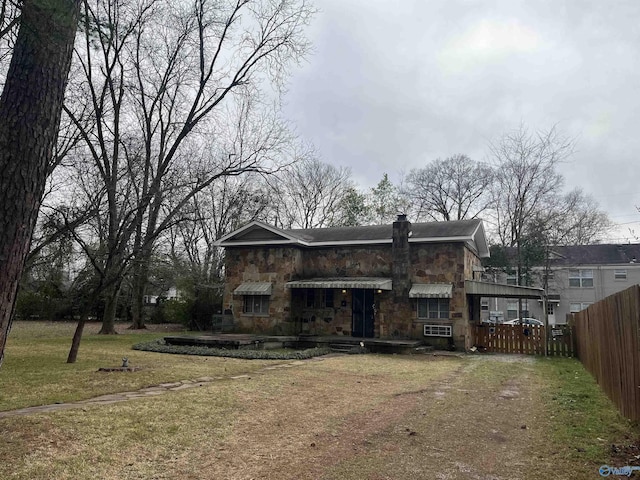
(470, 420)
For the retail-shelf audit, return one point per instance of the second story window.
(620, 274)
(581, 278)
(512, 279)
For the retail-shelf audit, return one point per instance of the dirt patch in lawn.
(337, 419)
(476, 425)
(626, 453)
(476, 419)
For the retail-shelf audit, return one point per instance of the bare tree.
(576, 219)
(309, 194)
(526, 184)
(158, 78)
(451, 189)
(224, 206)
(190, 247)
(526, 180)
(29, 120)
(9, 23)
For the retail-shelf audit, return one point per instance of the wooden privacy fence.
(524, 339)
(608, 346)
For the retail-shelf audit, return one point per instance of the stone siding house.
(384, 281)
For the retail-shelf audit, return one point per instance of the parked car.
(524, 321)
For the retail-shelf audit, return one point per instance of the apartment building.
(575, 277)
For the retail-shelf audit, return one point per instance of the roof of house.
(259, 233)
(601, 254)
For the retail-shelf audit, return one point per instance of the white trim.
(256, 223)
(347, 242)
(484, 251)
(255, 243)
(588, 266)
(288, 239)
(459, 239)
(305, 243)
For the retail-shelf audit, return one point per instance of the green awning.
(253, 288)
(374, 283)
(430, 290)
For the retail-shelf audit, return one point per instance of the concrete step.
(346, 348)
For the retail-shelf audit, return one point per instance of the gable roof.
(258, 233)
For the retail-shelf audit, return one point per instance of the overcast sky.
(393, 85)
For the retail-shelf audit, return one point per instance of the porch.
(265, 342)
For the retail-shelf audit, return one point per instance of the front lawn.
(337, 417)
(35, 371)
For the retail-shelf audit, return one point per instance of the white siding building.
(577, 276)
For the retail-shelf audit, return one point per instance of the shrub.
(171, 311)
(161, 346)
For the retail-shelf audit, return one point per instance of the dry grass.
(341, 417)
(35, 371)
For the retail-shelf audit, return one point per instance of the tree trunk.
(30, 109)
(137, 308)
(110, 307)
(140, 277)
(77, 336)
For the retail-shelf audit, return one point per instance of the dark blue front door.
(363, 312)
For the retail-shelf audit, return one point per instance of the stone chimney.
(401, 258)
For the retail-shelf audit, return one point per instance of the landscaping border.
(160, 346)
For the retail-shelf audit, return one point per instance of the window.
(437, 331)
(433, 308)
(620, 274)
(576, 307)
(150, 299)
(484, 305)
(327, 297)
(581, 278)
(256, 305)
(320, 298)
(311, 298)
(512, 279)
(512, 310)
(549, 308)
